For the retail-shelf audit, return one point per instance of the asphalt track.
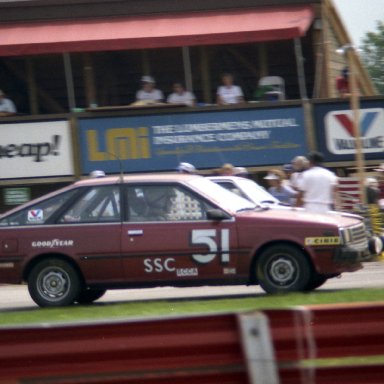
(372, 276)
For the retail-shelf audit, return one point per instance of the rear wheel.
(88, 296)
(283, 268)
(53, 282)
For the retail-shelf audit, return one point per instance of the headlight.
(375, 245)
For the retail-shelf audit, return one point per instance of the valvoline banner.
(336, 133)
(206, 139)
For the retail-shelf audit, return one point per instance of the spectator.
(342, 83)
(317, 186)
(278, 188)
(228, 93)
(299, 165)
(148, 92)
(227, 170)
(240, 172)
(287, 170)
(181, 96)
(96, 174)
(7, 107)
(186, 168)
(372, 190)
(380, 179)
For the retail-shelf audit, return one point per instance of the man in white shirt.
(7, 107)
(148, 92)
(181, 96)
(317, 186)
(299, 164)
(228, 93)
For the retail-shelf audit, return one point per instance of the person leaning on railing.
(7, 107)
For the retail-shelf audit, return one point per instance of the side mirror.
(217, 214)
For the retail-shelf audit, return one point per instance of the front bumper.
(347, 255)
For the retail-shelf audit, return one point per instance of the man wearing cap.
(277, 188)
(148, 92)
(7, 107)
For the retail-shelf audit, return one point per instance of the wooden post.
(89, 80)
(145, 62)
(328, 83)
(69, 81)
(263, 59)
(205, 75)
(187, 69)
(300, 68)
(355, 108)
(32, 89)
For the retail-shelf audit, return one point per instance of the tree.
(373, 55)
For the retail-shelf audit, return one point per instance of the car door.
(93, 223)
(167, 237)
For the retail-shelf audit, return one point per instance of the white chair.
(278, 87)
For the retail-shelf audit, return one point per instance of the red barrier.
(200, 349)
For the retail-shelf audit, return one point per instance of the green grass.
(155, 308)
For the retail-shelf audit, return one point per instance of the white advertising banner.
(340, 134)
(36, 149)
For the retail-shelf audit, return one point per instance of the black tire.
(316, 281)
(53, 283)
(88, 296)
(283, 268)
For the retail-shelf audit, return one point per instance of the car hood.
(298, 216)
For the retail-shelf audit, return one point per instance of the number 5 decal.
(208, 237)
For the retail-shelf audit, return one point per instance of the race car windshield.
(221, 196)
(256, 193)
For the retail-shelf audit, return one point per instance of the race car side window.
(39, 213)
(164, 203)
(99, 204)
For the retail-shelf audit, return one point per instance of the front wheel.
(88, 296)
(316, 281)
(283, 268)
(53, 282)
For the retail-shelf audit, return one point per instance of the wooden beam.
(89, 80)
(251, 67)
(263, 59)
(329, 90)
(32, 89)
(365, 82)
(145, 62)
(69, 80)
(205, 75)
(46, 98)
(187, 68)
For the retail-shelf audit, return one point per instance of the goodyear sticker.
(326, 240)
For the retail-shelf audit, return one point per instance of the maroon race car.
(181, 230)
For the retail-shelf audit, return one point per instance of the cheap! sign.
(36, 149)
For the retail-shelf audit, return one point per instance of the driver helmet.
(186, 168)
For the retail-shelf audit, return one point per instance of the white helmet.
(96, 174)
(186, 168)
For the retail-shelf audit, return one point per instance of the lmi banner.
(205, 139)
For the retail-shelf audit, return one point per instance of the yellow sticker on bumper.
(318, 241)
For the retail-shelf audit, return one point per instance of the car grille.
(356, 236)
